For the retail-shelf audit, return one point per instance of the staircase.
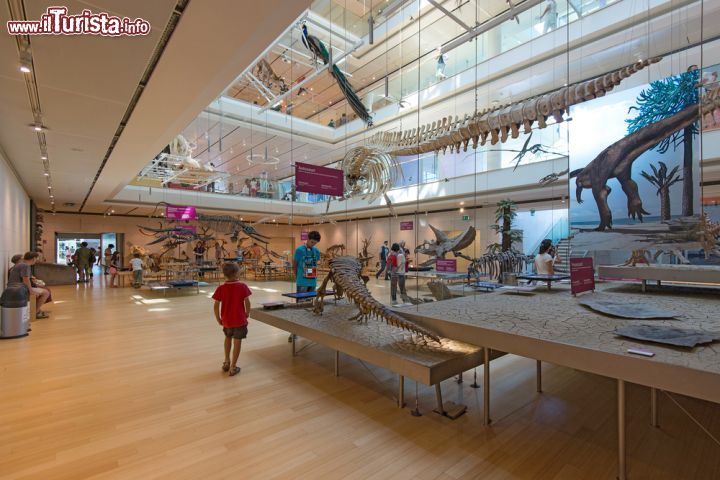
(564, 251)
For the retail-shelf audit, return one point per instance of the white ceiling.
(84, 83)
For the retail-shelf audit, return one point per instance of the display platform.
(660, 273)
(378, 343)
(553, 326)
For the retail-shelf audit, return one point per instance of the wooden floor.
(127, 384)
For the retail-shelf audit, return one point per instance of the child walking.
(232, 304)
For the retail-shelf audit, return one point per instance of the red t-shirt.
(231, 296)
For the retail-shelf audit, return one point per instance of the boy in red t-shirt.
(232, 304)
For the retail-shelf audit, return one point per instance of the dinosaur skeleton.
(231, 226)
(345, 275)
(443, 244)
(371, 170)
(495, 264)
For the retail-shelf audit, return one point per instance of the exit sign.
(466, 218)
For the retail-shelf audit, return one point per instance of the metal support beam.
(261, 88)
(653, 407)
(401, 391)
(337, 363)
(622, 473)
(438, 398)
(309, 78)
(450, 15)
(493, 22)
(538, 376)
(486, 386)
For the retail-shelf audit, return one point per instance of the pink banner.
(447, 265)
(322, 180)
(179, 212)
(582, 275)
(304, 235)
(408, 225)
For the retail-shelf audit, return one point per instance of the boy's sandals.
(42, 315)
(225, 366)
(234, 371)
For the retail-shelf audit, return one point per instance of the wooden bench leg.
(538, 376)
(438, 398)
(486, 386)
(401, 391)
(337, 363)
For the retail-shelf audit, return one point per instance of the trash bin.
(14, 311)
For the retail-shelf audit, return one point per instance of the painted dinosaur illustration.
(616, 160)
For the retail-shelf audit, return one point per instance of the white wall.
(14, 215)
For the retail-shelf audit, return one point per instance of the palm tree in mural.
(506, 212)
(663, 181)
(663, 99)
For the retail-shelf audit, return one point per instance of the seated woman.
(546, 258)
(21, 273)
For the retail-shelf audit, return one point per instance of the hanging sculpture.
(318, 49)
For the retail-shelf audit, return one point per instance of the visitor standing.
(114, 268)
(199, 252)
(396, 265)
(551, 16)
(232, 304)
(108, 256)
(305, 263)
(440, 65)
(92, 262)
(384, 252)
(22, 273)
(137, 269)
(83, 261)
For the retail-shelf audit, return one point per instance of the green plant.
(663, 99)
(505, 213)
(663, 181)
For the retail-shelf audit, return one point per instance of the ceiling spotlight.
(49, 187)
(462, 203)
(38, 127)
(25, 68)
(43, 157)
(46, 174)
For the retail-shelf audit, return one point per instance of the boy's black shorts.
(237, 333)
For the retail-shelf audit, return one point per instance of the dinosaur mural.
(616, 160)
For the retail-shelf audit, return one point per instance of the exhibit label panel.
(447, 265)
(180, 212)
(320, 180)
(408, 225)
(582, 275)
(304, 235)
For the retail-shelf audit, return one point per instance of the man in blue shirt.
(305, 263)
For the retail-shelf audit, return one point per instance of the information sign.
(447, 265)
(320, 180)
(582, 275)
(179, 212)
(407, 225)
